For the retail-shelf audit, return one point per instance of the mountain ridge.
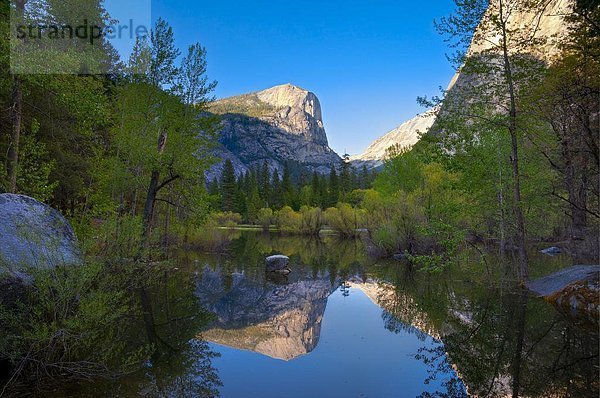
(278, 124)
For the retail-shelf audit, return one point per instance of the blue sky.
(367, 61)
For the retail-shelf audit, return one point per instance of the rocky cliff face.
(549, 26)
(278, 124)
(404, 136)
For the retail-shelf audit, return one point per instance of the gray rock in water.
(277, 263)
(558, 281)
(34, 235)
(551, 251)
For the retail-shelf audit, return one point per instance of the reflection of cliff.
(280, 321)
(401, 311)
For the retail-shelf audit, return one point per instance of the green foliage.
(287, 220)
(345, 219)
(71, 325)
(447, 240)
(401, 171)
(396, 222)
(228, 187)
(265, 218)
(225, 219)
(116, 237)
(35, 167)
(311, 220)
(211, 237)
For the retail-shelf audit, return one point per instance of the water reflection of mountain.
(284, 321)
(280, 321)
(496, 338)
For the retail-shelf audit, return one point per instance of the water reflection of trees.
(182, 365)
(188, 374)
(505, 344)
(499, 341)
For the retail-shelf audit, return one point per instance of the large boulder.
(34, 235)
(574, 291)
(277, 263)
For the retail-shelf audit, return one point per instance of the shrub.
(287, 220)
(209, 237)
(396, 223)
(345, 220)
(311, 220)
(114, 237)
(72, 324)
(265, 218)
(227, 219)
(445, 247)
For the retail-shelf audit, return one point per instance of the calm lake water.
(342, 325)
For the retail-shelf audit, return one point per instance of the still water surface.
(342, 325)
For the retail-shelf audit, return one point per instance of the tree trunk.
(148, 316)
(149, 211)
(520, 338)
(576, 183)
(13, 151)
(514, 158)
(12, 168)
(153, 189)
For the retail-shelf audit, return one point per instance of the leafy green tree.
(491, 79)
(265, 218)
(36, 166)
(401, 171)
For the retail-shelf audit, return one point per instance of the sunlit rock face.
(278, 124)
(543, 41)
(404, 137)
(280, 321)
(551, 27)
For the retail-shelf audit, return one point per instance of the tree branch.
(574, 205)
(167, 182)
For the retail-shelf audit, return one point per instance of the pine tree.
(287, 187)
(228, 187)
(334, 188)
(213, 187)
(364, 178)
(345, 177)
(315, 188)
(276, 196)
(253, 204)
(264, 184)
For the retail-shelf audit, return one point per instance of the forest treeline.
(260, 187)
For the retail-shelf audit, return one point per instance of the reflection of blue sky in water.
(355, 356)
